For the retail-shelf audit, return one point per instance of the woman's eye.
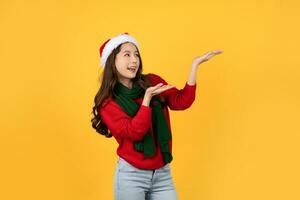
(138, 55)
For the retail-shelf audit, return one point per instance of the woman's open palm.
(157, 89)
(205, 57)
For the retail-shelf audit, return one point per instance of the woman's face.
(127, 61)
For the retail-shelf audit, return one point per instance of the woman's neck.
(126, 82)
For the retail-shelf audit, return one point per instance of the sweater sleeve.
(122, 125)
(177, 99)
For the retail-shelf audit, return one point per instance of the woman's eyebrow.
(128, 51)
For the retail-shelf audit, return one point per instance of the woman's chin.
(131, 75)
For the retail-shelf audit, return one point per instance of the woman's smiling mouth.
(132, 69)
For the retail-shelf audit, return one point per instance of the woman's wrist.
(146, 100)
(192, 75)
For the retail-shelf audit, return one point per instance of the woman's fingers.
(217, 51)
(157, 85)
(205, 57)
(163, 88)
(211, 54)
(159, 88)
(153, 88)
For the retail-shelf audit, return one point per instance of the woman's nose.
(134, 59)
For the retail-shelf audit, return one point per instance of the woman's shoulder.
(107, 101)
(108, 104)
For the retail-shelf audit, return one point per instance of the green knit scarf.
(125, 98)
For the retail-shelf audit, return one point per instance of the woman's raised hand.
(198, 60)
(205, 57)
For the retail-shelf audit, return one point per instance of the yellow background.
(239, 140)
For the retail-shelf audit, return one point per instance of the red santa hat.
(109, 45)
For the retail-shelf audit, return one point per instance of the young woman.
(133, 108)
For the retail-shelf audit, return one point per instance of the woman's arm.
(122, 125)
(196, 62)
(176, 99)
(134, 128)
(181, 99)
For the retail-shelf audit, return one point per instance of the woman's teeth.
(131, 69)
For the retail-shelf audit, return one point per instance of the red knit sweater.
(126, 129)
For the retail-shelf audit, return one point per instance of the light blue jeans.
(131, 183)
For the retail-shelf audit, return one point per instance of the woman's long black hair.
(108, 80)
